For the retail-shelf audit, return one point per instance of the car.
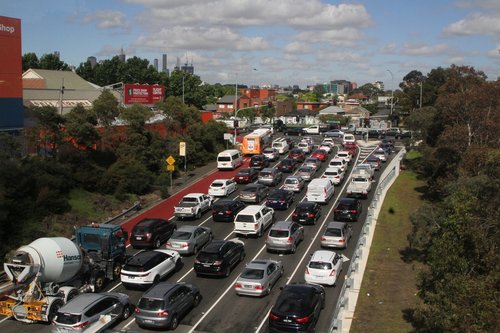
(308, 139)
(246, 175)
(226, 210)
(337, 235)
(219, 257)
(312, 161)
(84, 311)
(335, 133)
(336, 175)
(253, 193)
(259, 162)
(294, 183)
(348, 209)
(280, 199)
(149, 267)
(326, 147)
(307, 172)
(340, 163)
(329, 141)
(259, 277)
(387, 147)
(293, 130)
(297, 154)
(297, 308)
(284, 236)
(188, 239)
(151, 233)
(305, 146)
(270, 176)
(320, 154)
(307, 212)
(345, 155)
(363, 168)
(406, 134)
(394, 132)
(374, 133)
(272, 154)
(287, 165)
(222, 187)
(164, 304)
(324, 268)
(348, 138)
(374, 161)
(381, 154)
(389, 141)
(351, 147)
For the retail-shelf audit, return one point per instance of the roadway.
(221, 310)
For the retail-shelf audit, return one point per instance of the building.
(338, 87)
(92, 60)
(379, 85)
(188, 68)
(121, 56)
(155, 64)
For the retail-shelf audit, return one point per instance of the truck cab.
(107, 239)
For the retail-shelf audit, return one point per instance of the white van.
(229, 159)
(320, 190)
(281, 145)
(348, 138)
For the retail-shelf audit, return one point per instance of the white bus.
(229, 159)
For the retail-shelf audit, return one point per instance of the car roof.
(149, 221)
(214, 246)
(346, 200)
(251, 209)
(143, 256)
(189, 228)
(82, 302)
(159, 290)
(331, 169)
(282, 225)
(259, 264)
(336, 225)
(322, 256)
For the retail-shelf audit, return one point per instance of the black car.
(348, 209)
(307, 212)
(226, 210)
(246, 175)
(151, 233)
(293, 130)
(406, 134)
(259, 162)
(387, 147)
(218, 257)
(280, 199)
(164, 304)
(374, 133)
(297, 309)
(287, 165)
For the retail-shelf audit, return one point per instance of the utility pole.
(420, 105)
(392, 91)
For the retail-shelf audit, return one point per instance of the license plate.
(131, 277)
(149, 321)
(287, 320)
(138, 238)
(302, 220)
(248, 286)
(220, 213)
(206, 265)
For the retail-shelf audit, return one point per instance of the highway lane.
(231, 312)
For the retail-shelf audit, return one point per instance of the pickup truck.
(193, 205)
(360, 185)
(253, 220)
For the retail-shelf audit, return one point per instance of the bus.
(255, 142)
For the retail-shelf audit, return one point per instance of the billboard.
(142, 93)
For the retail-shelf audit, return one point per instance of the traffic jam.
(260, 244)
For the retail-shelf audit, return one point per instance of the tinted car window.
(335, 232)
(320, 265)
(68, 318)
(278, 233)
(205, 256)
(251, 273)
(151, 304)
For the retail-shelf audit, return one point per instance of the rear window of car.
(252, 273)
(320, 265)
(265, 173)
(291, 181)
(304, 208)
(335, 232)
(278, 233)
(218, 184)
(331, 173)
(224, 158)
(244, 218)
(151, 304)
(141, 229)
(67, 318)
(207, 256)
(181, 235)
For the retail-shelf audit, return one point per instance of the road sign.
(170, 160)
(228, 136)
(170, 167)
(182, 149)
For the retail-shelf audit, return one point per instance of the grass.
(91, 206)
(388, 288)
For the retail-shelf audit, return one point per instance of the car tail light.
(332, 273)
(168, 244)
(137, 310)
(272, 316)
(256, 226)
(214, 212)
(163, 314)
(323, 238)
(295, 214)
(354, 211)
(341, 240)
(143, 274)
(310, 215)
(303, 320)
(82, 325)
(307, 271)
(184, 245)
(237, 285)
(336, 210)
(281, 201)
(289, 240)
(228, 212)
(148, 236)
(258, 287)
(267, 238)
(218, 262)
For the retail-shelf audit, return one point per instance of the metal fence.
(351, 279)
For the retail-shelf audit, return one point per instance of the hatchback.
(259, 162)
(270, 176)
(312, 161)
(374, 161)
(345, 155)
(338, 163)
(284, 236)
(306, 212)
(337, 234)
(294, 183)
(381, 154)
(253, 193)
(324, 268)
(148, 267)
(222, 187)
(288, 165)
(280, 199)
(320, 154)
(297, 308)
(246, 175)
(305, 146)
(151, 233)
(272, 154)
(348, 209)
(164, 304)
(218, 257)
(336, 175)
(306, 172)
(85, 310)
(258, 277)
(297, 154)
(226, 210)
(188, 239)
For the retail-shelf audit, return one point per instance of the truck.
(193, 205)
(253, 220)
(360, 185)
(50, 271)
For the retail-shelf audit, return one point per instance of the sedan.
(306, 172)
(246, 175)
(222, 187)
(258, 277)
(348, 209)
(374, 161)
(297, 154)
(288, 165)
(272, 154)
(253, 193)
(226, 210)
(326, 148)
(149, 267)
(312, 161)
(294, 183)
(280, 199)
(334, 134)
(307, 212)
(346, 155)
(188, 239)
(337, 234)
(381, 154)
(320, 154)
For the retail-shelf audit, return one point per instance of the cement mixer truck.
(48, 272)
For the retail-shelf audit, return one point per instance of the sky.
(270, 42)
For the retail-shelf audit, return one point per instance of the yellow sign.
(182, 149)
(170, 160)
(170, 167)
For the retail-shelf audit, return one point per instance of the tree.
(179, 115)
(309, 97)
(185, 84)
(106, 107)
(52, 61)
(80, 126)
(267, 112)
(30, 60)
(319, 90)
(50, 124)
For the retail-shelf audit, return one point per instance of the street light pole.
(420, 104)
(182, 87)
(392, 91)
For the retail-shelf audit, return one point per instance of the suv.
(226, 210)
(148, 267)
(280, 199)
(270, 176)
(347, 209)
(284, 236)
(259, 162)
(337, 234)
(297, 308)
(324, 268)
(151, 233)
(165, 303)
(218, 257)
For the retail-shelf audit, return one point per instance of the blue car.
(280, 199)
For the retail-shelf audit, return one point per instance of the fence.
(346, 303)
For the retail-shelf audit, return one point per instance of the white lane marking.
(1, 321)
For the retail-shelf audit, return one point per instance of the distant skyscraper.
(92, 60)
(164, 63)
(155, 64)
(121, 56)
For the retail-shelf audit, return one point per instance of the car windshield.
(320, 265)
(151, 304)
(244, 172)
(67, 318)
(278, 233)
(252, 274)
(184, 235)
(335, 232)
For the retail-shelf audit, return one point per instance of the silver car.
(83, 313)
(306, 172)
(253, 193)
(270, 176)
(284, 236)
(312, 161)
(258, 277)
(337, 234)
(188, 239)
(294, 183)
(271, 153)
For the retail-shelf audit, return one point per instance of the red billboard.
(11, 68)
(143, 93)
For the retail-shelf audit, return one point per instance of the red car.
(246, 175)
(351, 147)
(320, 154)
(297, 154)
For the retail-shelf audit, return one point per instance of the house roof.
(226, 99)
(52, 79)
(300, 113)
(358, 96)
(332, 110)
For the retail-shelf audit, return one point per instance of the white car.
(324, 268)
(336, 175)
(222, 187)
(326, 148)
(271, 153)
(338, 163)
(328, 141)
(345, 155)
(305, 146)
(308, 139)
(149, 267)
(363, 168)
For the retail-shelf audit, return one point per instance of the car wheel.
(197, 300)
(117, 269)
(126, 312)
(157, 243)
(294, 248)
(198, 215)
(156, 279)
(174, 322)
(227, 272)
(99, 282)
